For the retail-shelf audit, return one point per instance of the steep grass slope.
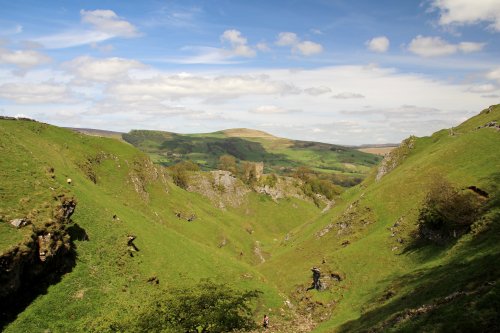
(121, 193)
(278, 154)
(390, 280)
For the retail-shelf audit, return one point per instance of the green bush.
(447, 211)
(179, 172)
(207, 307)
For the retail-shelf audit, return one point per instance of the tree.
(228, 163)
(180, 170)
(207, 307)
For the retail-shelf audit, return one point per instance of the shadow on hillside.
(35, 281)
(458, 296)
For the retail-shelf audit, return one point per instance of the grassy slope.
(107, 285)
(178, 252)
(244, 144)
(417, 275)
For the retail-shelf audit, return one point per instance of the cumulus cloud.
(378, 44)
(238, 43)
(101, 70)
(272, 109)
(348, 95)
(306, 48)
(437, 47)
(466, 12)
(107, 21)
(287, 39)
(23, 58)
(316, 91)
(35, 93)
(149, 107)
(263, 47)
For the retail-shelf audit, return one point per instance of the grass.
(382, 277)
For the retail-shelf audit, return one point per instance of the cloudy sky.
(347, 72)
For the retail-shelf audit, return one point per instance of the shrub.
(180, 174)
(207, 307)
(447, 211)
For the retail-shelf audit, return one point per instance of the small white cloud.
(378, 44)
(272, 109)
(469, 47)
(107, 21)
(287, 39)
(316, 31)
(103, 48)
(263, 47)
(305, 48)
(23, 58)
(437, 47)
(348, 95)
(466, 12)
(308, 48)
(316, 91)
(238, 44)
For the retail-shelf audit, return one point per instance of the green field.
(390, 281)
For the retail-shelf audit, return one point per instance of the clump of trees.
(314, 184)
(180, 172)
(206, 307)
(447, 211)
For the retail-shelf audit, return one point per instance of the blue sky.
(347, 72)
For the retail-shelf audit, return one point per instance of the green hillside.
(278, 154)
(390, 279)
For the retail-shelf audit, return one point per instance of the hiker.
(316, 281)
(265, 322)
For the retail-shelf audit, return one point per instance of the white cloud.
(23, 58)
(238, 44)
(35, 93)
(494, 74)
(287, 39)
(305, 48)
(217, 88)
(102, 70)
(378, 44)
(105, 25)
(469, 47)
(263, 47)
(316, 91)
(107, 21)
(437, 47)
(483, 88)
(272, 109)
(466, 12)
(308, 48)
(348, 95)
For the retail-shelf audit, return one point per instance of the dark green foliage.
(447, 210)
(207, 307)
(315, 183)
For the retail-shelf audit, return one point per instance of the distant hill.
(279, 155)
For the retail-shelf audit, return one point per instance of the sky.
(345, 72)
